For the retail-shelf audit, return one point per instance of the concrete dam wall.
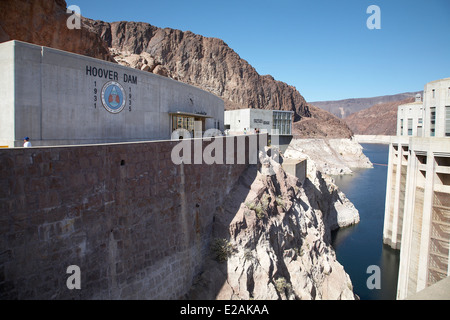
(137, 225)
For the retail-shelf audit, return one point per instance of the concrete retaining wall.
(295, 167)
(137, 225)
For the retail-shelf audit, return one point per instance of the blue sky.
(322, 47)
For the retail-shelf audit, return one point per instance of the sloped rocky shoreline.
(276, 244)
(329, 156)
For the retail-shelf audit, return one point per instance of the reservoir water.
(360, 246)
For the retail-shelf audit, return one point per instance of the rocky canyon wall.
(271, 240)
(44, 22)
(208, 63)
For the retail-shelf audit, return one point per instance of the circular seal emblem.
(113, 97)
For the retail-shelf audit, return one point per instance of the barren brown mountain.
(344, 108)
(208, 63)
(44, 22)
(380, 119)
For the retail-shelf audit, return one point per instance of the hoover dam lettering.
(109, 74)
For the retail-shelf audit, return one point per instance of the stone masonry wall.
(137, 225)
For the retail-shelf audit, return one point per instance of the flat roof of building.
(411, 104)
(443, 79)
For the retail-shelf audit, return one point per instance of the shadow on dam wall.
(137, 225)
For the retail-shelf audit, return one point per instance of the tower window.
(447, 121)
(432, 121)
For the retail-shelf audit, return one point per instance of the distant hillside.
(321, 124)
(380, 119)
(344, 108)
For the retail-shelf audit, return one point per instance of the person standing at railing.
(26, 142)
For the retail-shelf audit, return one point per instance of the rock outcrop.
(329, 156)
(44, 22)
(276, 243)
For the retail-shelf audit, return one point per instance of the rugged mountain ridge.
(344, 108)
(208, 63)
(212, 65)
(44, 23)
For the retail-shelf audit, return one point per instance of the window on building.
(434, 93)
(410, 127)
(401, 127)
(282, 122)
(447, 121)
(419, 127)
(274, 122)
(432, 121)
(419, 131)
